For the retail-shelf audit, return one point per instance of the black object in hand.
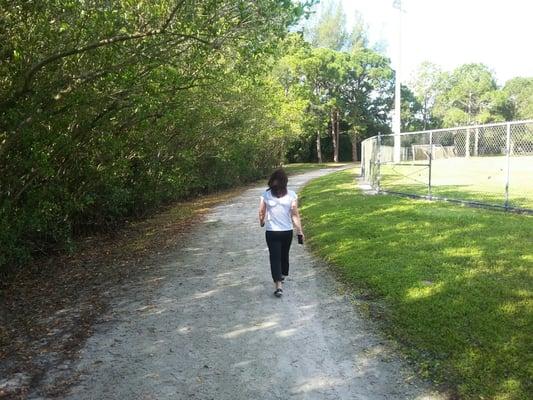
(262, 224)
(300, 239)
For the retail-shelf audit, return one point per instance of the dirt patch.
(49, 308)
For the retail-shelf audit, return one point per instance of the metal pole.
(379, 162)
(476, 143)
(396, 125)
(467, 139)
(363, 158)
(430, 161)
(467, 144)
(508, 153)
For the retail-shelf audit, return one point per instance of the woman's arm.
(295, 214)
(262, 212)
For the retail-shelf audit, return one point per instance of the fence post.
(476, 142)
(363, 159)
(508, 159)
(467, 143)
(430, 161)
(379, 162)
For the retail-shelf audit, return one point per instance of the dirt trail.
(206, 326)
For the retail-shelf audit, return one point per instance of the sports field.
(480, 179)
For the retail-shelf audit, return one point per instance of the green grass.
(298, 168)
(455, 282)
(476, 178)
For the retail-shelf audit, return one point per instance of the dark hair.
(278, 183)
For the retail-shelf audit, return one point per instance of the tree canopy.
(469, 95)
(109, 109)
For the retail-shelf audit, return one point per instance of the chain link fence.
(488, 165)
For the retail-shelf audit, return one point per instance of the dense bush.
(110, 109)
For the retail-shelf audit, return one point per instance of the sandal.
(278, 292)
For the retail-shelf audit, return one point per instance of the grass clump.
(456, 281)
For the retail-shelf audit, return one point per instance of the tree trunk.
(318, 147)
(334, 136)
(353, 137)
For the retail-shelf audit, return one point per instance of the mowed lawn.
(476, 178)
(299, 168)
(453, 284)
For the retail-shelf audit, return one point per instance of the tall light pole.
(396, 120)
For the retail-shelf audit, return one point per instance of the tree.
(352, 90)
(323, 71)
(110, 110)
(298, 72)
(358, 39)
(329, 30)
(348, 88)
(366, 94)
(427, 85)
(413, 117)
(314, 73)
(467, 96)
(519, 93)
(347, 79)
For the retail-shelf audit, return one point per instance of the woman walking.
(278, 210)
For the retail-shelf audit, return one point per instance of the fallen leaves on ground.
(50, 307)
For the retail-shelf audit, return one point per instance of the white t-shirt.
(278, 211)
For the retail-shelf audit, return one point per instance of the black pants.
(279, 243)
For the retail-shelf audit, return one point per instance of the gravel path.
(206, 326)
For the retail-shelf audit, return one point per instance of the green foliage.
(519, 92)
(456, 282)
(467, 95)
(426, 86)
(329, 31)
(346, 87)
(358, 39)
(110, 109)
(365, 94)
(412, 111)
(322, 81)
(303, 149)
(336, 76)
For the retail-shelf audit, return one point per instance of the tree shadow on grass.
(457, 280)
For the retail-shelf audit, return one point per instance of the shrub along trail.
(204, 324)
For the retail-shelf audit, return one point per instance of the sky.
(498, 33)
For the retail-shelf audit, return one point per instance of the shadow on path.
(205, 325)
